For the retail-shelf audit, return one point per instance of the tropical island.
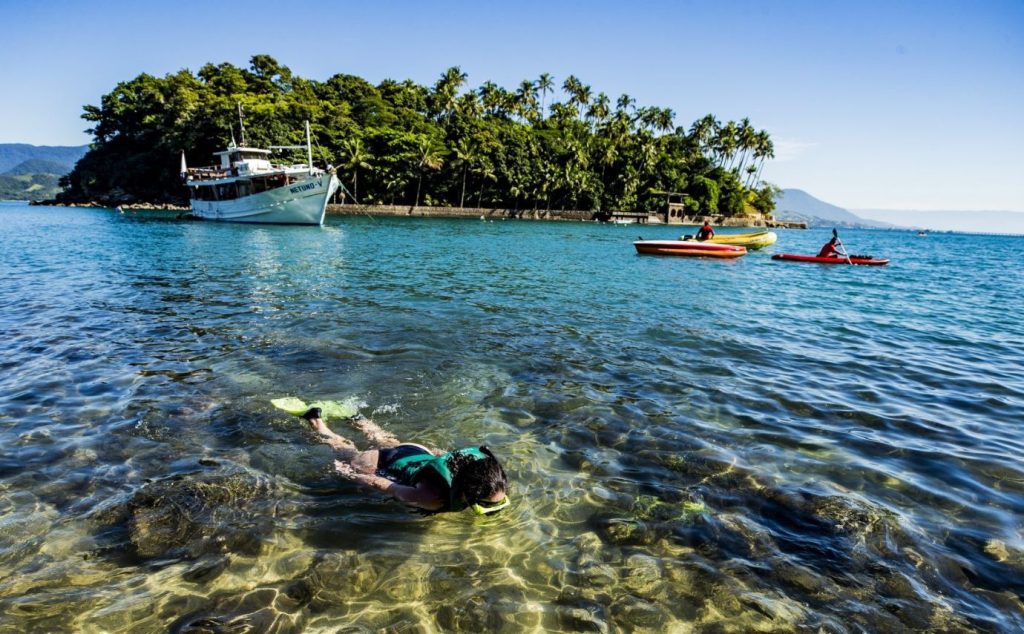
(400, 143)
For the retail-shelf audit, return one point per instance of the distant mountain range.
(32, 172)
(967, 221)
(797, 205)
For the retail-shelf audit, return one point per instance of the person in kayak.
(706, 232)
(830, 250)
(415, 475)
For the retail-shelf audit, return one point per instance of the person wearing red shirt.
(706, 232)
(830, 250)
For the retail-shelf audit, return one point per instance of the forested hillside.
(402, 143)
(13, 154)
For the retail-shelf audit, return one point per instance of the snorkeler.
(416, 475)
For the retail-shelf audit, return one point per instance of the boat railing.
(207, 173)
(215, 172)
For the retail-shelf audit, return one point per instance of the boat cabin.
(244, 160)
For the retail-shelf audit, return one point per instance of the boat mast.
(241, 123)
(309, 149)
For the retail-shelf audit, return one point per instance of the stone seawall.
(565, 215)
(459, 212)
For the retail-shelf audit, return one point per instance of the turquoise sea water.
(693, 445)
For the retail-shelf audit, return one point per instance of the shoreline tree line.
(406, 144)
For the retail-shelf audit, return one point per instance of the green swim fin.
(328, 409)
(290, 404)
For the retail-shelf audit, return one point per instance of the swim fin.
(329, 409)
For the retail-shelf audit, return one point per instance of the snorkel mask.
(486, 508)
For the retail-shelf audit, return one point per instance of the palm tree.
(431, 157)
(490, 96)
(583, 94)
(624, 102)
(599, 110)
(544, 84)
(766, 150)
(703, 132)
(664, 120)
(485, 170)
(747, 140)
(446, 91)
(465, 154)
(572, 87)
(646, 116)
(356, 157)
(526, 100)
(726, 143)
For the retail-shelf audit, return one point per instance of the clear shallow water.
(694, 445)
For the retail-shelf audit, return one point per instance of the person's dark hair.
(476, 479)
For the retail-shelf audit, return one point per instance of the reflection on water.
(692, 446)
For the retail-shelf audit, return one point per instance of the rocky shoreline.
(93, 204)
(557, 215)
(560, 215)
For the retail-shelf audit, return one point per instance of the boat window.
(202, 193)
(226, 191)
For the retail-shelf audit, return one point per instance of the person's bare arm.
(413, 496)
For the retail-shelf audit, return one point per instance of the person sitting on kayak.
(706, 232)
(416, 475)
(830, 250)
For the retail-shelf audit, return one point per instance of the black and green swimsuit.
(409, 464)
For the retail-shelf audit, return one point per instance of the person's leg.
(378, 437)
(345, 447)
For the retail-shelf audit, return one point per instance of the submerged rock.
(581, 620)
(269, 610)
(631, 613)
(206, 512)
(497, 608)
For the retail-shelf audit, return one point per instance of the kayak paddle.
(835, 234)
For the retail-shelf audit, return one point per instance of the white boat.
(247, 187)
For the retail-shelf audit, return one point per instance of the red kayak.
(789, 257)
(688, 248)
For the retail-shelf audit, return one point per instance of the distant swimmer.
(415, 475)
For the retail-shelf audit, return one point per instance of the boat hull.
(691, 249)
(756, 240)
(303, 202)
(790, 257)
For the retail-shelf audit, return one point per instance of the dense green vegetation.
(28, 186)
(32, 172)
(402, 143)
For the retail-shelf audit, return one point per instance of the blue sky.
(881, 105)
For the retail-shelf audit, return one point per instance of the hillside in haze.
(38, 166)
(13, 154)
(798, 205)
(967, 221)
(32, 172)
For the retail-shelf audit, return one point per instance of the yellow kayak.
(757, 240)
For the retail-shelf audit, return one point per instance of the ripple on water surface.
(692, 445)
